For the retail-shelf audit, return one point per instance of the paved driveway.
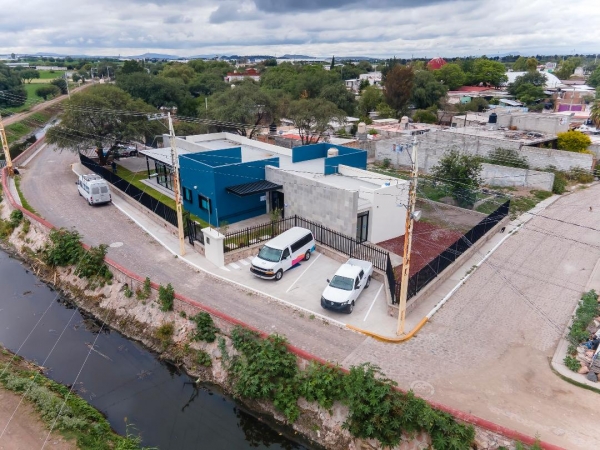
(303, 285)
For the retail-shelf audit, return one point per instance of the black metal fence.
(424, 276)
(193, 230)
(154, 205)
(326, 236)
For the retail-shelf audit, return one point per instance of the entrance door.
(362, 227)
(277, 202)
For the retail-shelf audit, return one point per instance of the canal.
(120, 377)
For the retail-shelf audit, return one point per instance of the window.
(361, 275)
(205, 203)
(187, 195)
(95, 191)
(286, 253)
(301, 242)
(104, 189)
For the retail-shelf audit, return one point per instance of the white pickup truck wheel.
(350, 307)
(368, 282)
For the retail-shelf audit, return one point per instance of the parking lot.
(302, 286)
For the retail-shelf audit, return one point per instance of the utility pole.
(67, 83)
(410, 219)
(176, 187)
(6, 149)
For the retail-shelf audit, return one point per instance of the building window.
(204, 203)
(187, 195)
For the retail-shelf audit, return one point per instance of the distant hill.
(155, 56)
(286, 56)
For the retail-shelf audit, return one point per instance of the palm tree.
(595, 113)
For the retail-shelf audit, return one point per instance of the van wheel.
(350, 308)
(368, 282)
(307, 255)
(279, 275)
(90, 202)
(79, 194)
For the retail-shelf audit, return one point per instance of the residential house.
(233, 77)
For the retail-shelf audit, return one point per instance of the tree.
(424, 116)
(271, 62)
(13, 93)
(462, 173)
(488, 72)
(47, 90)
(567, 67)
(594, 79)
(398, 87)
(338, 94)
(312, 117)
(332, 63)
(573, 141)
(520, 65)
(156, 91)
(370, 98)
(426, 91)
(451, 75)
(529, 93)
(28, 75)
(130, 67)
(60, 83)
(245, 107)
(532, 64)
(96, 118)
(595, 113)
(177, 70)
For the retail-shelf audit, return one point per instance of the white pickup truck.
(346, 285)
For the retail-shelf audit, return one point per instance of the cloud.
(379, 28)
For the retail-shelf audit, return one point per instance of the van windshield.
(343, 283)
(269, 254)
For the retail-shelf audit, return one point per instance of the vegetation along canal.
(120, 377)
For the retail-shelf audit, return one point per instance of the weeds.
(166, 296)
(205, 328)
(203, 358)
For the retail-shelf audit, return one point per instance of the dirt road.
(24, 115)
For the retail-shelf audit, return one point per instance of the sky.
(378, 28)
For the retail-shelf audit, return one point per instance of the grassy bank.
(75, 419)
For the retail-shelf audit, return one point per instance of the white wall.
(511, 176)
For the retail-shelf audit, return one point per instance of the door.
(286, 259)
(362, 227)
(277, 202)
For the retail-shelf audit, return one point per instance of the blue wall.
(215, 158)
(211, 181)
(348, 157)
(308, 152)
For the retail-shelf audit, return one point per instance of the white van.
(94, 189)
(282, 253)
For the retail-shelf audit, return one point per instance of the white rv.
(282, 253)
(94, 189)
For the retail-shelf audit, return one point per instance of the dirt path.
(26, 430)
(24, 115)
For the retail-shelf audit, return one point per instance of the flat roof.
(507, 135)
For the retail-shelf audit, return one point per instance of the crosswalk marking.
(244, 262)
(234, 266)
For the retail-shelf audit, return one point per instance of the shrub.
(205, 328)
(424, 116)
(560, 183)
(64, 248)
(127, 292)
(165, 332)
(572, 363)
(26, 227)
(586, 311)
(322, 384)
(387, 162)
(144, 293)
(166, 295)
(92, 265)
(203, 358)
(581, 176)
(573, 141)
(15, 218)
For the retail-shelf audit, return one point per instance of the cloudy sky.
(314, 27)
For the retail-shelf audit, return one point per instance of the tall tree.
(488, 72)
(594, 79)
(451, 75)
(47, 90)
(28, 75)
(12, 92)
(242, 109)
(370, 98)
(462, 173)
(312, 118)
(332, 63)
(398, 87)
(131, 66)
(595, 113)
(100, 117)
(342, 97)
(426, 91)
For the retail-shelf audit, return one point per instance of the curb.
(465, 417)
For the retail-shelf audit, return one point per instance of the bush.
(387, 162)
(144, 293)
(205, 328)
(15, 218)
(92, 265)
(165, 333)
(424, 116)
(586, 311)
(166, 296)
(560, 183)
(203, 358)
(573, 141)
(64, 249)
(581, 176)
(322, 384)
(572, 363)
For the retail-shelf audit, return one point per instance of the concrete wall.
(543, 123)
(433, 145)
(334, 208)
(511, 176)
(347, 157)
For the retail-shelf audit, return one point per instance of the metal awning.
(256, 187)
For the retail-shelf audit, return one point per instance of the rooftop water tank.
(362, 128)
(332, 152)
(493, 118)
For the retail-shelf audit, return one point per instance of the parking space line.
(371, 307)
(244, 262)
(234, 265)
(309, 266)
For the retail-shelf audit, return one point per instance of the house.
(239, 76)
(373, 78)
(552, 81)
(229, 178)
